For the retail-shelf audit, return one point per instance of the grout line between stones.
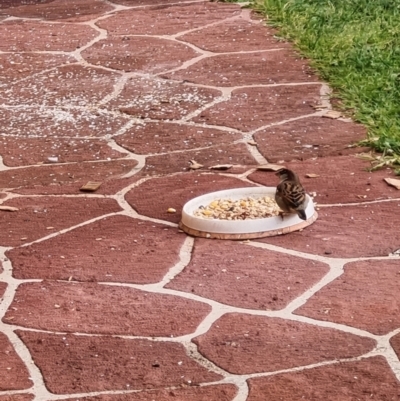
(336, 265)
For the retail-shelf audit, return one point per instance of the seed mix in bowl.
(241, 209)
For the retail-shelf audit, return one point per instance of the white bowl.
(241, 229)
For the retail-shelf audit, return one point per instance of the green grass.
(355, 46)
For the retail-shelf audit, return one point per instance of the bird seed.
(241, 209)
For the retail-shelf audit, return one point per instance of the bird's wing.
(293, 193)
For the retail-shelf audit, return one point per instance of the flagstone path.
(102, 297)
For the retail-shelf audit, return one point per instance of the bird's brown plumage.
(290, 194)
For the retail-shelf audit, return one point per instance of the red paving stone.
(161, 99)
(111, 363)
(126, 53)
(176, 190)
(244, 344)
(95, 84)
(165, 137)
(44, 89)
(365, 296)
(76, 11)
(395, 343)
(3, 286)
(18, 36)
(38, 150)
(309, 138)
(17, 397)
(104, 309)
(132, 246)
(210, 156)
(342, 179)
(16, 3)
(231, 35)
(348, 232)
(249, 69)
(41, 216)
(367, 379)
(58, 122)
(14, 374)
(147, 2)
(65, 175)
(175, 20)
(267, 105)
(249, 278)
(222, 392)
(28, 64)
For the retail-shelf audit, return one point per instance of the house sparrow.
(290, 194)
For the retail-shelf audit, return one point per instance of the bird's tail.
(302, 214)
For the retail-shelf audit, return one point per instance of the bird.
(290, 194)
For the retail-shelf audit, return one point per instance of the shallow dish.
(241, 229)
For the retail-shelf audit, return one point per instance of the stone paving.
(103, 298)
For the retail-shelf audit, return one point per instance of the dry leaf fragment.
(332, 114)
(252, 143)
(393, 182)
(320, 106)
(221, 167)
(311, 175)
(8, 208)
(270, 167)
(193, 165)
(90, 186)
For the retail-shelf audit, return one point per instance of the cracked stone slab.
(223, 154)
(260, 68)
(369, 378)
(252, 108)
(53, 122)
(229, 36)
(365, 296)
(221, 392)
(61, 178)
(237, 275)
(132, 245)
(176, 190)
(14, 374)
(345, 232)
(41, 216)
(309, 138)
(75, 11)
(103, 309)
(28, 151)
(162, 137)
(153, 55)
(77, 89)
(110, 363)
(149, 97)
(341, 179)
(175, 19)
(17, 66)
(244, 344)
(21, 36)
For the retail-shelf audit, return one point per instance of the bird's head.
(286, 175)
